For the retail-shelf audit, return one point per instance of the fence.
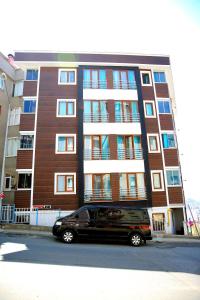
(10, 214)
(158, 226)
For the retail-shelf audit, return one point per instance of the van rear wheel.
(136, 239)
(68, 236)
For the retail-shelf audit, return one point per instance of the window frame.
(150, 79)
(2, 84)
(172, 133)
(170, 106)
(67, 70)
(65, 135)
(162, 82)
(153, 106)
(65, 116)
(73, 192)
(160, 172)
(157, 142)
(29, 99)
(10, 183)
(33, 69)
(24, 171)
(173, 169)
(15, 113)
(12, 138)
(31, 133)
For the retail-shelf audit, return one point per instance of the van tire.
(136, 239)
(67, 236)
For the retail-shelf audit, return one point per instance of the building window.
(12, 146)
(94, 79)
(173, 177)
(159, 77)
(124, 80)
(65, 183)
(95, 111)
(146, 78)
(97, 187)
(29, 105)
(66, 108)
(14, 116)
(26, 141)
(18, 87)
(129, 147)
(149, 109)
(1, 83)
(31, 74)
(164, 107)
(157, 180)
(7, 186)
(96, 147)
(168, 140)
(132, 186)
(126, 111)
(67, 76)
(24, 180)
(153, 143)
(65, 143)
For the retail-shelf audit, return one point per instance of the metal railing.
(22, 216)
(133, 194)
(123, 84)
(97, 195)
(127, 118)
(96, 117)
(94, 84)
(129, 154)
(96, 154)
(158, 226)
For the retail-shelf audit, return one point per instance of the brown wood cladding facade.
(22, 199)
(24, 159)
(30, 88)
(27, 122)
(47, 163)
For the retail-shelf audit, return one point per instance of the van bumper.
(56, 230)
(148, 238)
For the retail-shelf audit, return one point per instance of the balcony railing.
(126, 85)
(94, 84)
(96, 118)
(96, 154)
(97, 195)
(133, 194)
(127, 118)
(130, 154)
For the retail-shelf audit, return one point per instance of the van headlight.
(58, 223)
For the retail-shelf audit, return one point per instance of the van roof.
(114, 206)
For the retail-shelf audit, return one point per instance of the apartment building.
(11, 89)
(99, 128)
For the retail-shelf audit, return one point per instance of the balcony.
(124, 85)
(97, 195)
(96, 117)
(127, 118)
(94, 84)
(130, 154)
(96, 154)
(133, 194)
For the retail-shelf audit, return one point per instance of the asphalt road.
(33, 267)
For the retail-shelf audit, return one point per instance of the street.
(33, 267)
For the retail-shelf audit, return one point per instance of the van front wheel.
(136, 239)
(68, 236)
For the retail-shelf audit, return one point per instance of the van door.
(85, 224)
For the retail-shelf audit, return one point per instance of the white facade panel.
(105, 94)
(111, 128)
(113, 166)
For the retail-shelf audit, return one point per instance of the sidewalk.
(44, 231)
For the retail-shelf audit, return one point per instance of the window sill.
(25, 189)
(64, 193)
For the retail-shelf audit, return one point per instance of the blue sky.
(150, 27)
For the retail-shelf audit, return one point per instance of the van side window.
(109, 213)
(133, 215)
(83, 215)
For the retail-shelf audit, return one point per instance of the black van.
(105, 222)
